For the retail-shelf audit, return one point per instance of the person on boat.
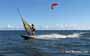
(33, 30)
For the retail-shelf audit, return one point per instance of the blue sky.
(38, 12)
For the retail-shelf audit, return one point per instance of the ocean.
(58, 43)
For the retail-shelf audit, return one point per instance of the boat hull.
(26, 37)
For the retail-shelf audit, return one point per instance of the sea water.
(49, 43)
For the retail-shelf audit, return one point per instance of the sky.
(70, 14)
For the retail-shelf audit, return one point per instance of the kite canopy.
(53, 5)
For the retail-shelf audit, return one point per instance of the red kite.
(53, 5)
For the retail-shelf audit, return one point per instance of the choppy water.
(66, 43)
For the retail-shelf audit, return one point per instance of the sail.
(27, 27)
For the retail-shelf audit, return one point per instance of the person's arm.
(34, 29)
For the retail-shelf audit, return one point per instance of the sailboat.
(27, 28)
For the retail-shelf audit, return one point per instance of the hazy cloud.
(50, 27)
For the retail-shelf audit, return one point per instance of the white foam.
(52, 36)
(77, 52)
(55, 36)
(75, 35)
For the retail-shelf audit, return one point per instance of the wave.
(77, 52)
(55, 36)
